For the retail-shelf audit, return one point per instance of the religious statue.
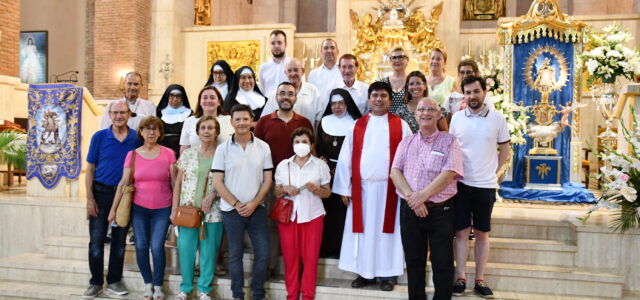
(202, 12)
(545, 130)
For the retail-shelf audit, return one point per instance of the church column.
(10, 38)
(121, 42)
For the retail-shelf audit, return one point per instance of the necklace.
(335, 141)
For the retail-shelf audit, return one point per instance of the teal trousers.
(188, 242)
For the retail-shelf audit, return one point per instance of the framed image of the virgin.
(473, 10)
(34, 56)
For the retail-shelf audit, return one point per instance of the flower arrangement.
(516, 116)
(621, 176)
(609, 58)
(491, 68)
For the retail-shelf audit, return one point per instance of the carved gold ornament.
(397, 25)
(236, 53)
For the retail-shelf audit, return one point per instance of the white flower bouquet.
(621, 176)
(516, 116)
(609, 58)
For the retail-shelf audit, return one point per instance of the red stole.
(395, 136)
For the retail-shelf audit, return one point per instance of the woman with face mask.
(304, 179)
(173, 110)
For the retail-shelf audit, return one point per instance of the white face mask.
(301, 149)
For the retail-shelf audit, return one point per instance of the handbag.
(123, 212)
(191, 216)
(282, 207)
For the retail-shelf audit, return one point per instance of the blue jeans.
(256, 226)
(98, 232)
(150, 230)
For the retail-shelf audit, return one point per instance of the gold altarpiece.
(398, 24)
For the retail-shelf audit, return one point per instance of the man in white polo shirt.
(483, 136)
(242, 175)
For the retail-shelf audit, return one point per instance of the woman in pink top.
(153, 176)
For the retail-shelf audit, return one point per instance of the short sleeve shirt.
(243, 168)
(479, 135)
(277, 134)
(152, 179)
(306, 205)
(421, 160)
(189, 137)
(108, 154)
(188, 163)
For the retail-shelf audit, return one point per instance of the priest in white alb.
(371, 243)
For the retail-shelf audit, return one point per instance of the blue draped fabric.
(53, 141)
(523, 92)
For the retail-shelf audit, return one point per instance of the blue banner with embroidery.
(53, 142)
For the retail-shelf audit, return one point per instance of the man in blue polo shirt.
(105, 161)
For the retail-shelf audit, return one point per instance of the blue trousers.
(150, 231)
(256, 226)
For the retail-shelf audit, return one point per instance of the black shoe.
(387, 285)
(458, 288)
(360, 282)
(481, 289)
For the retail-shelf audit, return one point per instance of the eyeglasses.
(150, 128)
(466, 72)
(427, 109)
(398, 57)
(285, 94)
(175, 96)
(218, 72)
(119, 112)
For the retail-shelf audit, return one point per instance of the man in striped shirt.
(425, 170)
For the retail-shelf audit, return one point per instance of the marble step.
(27, 290)
(538, 228)
(529, 252)
(517, 278)
(503, 250)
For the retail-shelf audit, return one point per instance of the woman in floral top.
(193, 172)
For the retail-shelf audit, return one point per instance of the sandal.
(148, 291)
(181, 296)
(157, 293)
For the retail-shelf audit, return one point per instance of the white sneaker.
(203, 296)
(181, 296)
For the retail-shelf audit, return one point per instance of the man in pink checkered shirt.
(425, 171)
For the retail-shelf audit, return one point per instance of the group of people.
(374, 177)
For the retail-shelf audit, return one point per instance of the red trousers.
(301, 243)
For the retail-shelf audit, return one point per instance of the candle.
(484, 47)
(469, 48)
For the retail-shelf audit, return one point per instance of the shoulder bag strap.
(133, 164)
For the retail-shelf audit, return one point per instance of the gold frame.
(494, 14)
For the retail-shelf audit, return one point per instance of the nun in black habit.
(173, 109)
(245, 91)
(221, 77)
(339, 118)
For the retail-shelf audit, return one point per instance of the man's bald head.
(294, 70)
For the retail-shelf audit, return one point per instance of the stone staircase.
(529, 259)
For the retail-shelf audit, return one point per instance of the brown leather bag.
(123, 212)
(191, 216)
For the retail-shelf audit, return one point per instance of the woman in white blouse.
(209, 104)
(304, 179)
